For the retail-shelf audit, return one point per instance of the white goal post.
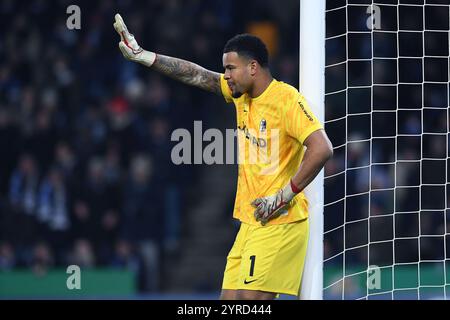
(312, 86)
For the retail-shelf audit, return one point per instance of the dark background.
(86, 176)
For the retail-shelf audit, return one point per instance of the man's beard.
(236, 94)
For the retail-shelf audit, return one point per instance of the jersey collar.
(264, 93)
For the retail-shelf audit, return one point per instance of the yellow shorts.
(267, 258)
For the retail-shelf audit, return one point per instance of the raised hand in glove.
(129, 46)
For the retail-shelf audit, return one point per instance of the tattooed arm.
(184, 71)
(188, 73)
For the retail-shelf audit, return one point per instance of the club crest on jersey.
(262, 125)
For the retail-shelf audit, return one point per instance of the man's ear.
(253, 67)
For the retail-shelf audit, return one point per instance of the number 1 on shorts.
(252, 265)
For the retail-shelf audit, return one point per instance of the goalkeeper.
(268, 254)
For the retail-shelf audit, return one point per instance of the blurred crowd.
(85, 171)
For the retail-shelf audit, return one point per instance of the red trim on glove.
(125, 40)
(294, 188)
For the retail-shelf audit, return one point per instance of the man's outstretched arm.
(188, 73)
(178, 69)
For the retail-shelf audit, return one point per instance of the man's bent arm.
(188, 73)
(319, 150)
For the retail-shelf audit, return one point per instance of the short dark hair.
(249, 46)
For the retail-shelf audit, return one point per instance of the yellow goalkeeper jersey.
(271, 130)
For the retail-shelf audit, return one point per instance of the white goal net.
(386, 211)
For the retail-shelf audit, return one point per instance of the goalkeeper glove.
(129, 46)
(272, 206)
